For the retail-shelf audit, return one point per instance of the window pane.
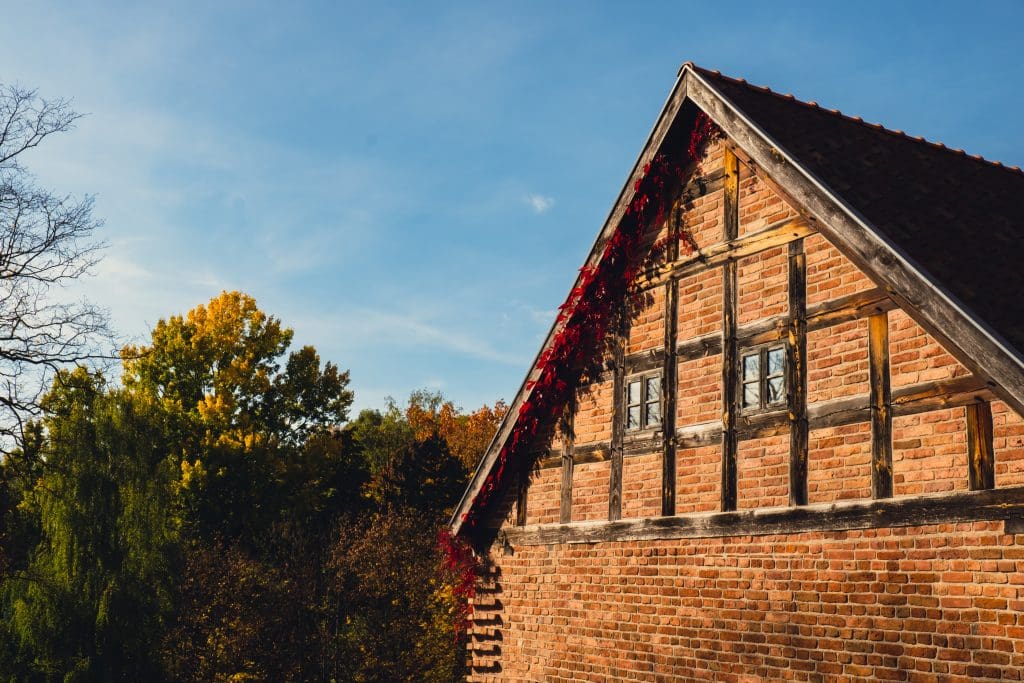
(633, 419)
(653, 414)
(653, 388)
(776, 390)
(633, 394)
(751, 394)
(776, 360)
(751, 366)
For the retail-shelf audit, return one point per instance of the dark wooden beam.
(796, 374)
(731, 197)
(669, 383)
(968, 506)
(730, 362)
(645, 361)
(821, 315)
(848, 308)
(979, 446)
(568, 439)
(618, 424)
(670, 378)
(701, 347)
(881, 406)
(521, 496)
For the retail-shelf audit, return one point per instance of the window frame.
(761, 352)
(644, 403)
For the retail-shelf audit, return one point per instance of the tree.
(240, 422)
(45, 242)
(92, 600)
(467, 434)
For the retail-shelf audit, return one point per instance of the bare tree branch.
(46, 241)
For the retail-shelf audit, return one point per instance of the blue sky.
(412, 187)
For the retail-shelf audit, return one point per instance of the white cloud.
(540, 203)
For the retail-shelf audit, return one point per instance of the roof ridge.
(789, 97)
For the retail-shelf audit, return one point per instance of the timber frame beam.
(968, 506)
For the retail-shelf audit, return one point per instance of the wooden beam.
(731, 197)
(701, 347)
(968, 506)
(619, 423)
(521, 496)
(796, 374)
(645, 361)
(670, 377)
(730, 249)
(821, 315)
(568, 439)
(669, 383)
(881, 406)
(979, 446)
(730, 400)
(848, 308)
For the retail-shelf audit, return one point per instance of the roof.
(938, 229)
(960, 218)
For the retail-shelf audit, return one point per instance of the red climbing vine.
(587, 315)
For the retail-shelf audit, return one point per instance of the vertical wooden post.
(568, 438)
(521, 494)
(669, 379)
(796, 374)
(619, 424)
(731, 196)
(980, 449)
(730, 402)
(881, 406)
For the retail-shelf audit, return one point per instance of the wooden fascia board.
(941, 314)
(669, 111)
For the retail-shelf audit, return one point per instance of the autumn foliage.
(217, 515)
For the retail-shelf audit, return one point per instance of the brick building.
(803, 456)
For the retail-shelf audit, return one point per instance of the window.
(643, 402)
(763, 378)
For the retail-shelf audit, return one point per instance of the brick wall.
(647, 324)
(590, 491)
(839, 463)
(929, 452)
(1008, 442)
(931, 603)
(698, 479)
(837, 362)
(830, 275)
(763, 285)
(763, 466)
(641, 486)
(759, 207)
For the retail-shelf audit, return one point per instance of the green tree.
(91, 603)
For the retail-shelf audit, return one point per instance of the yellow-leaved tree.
(241, 410)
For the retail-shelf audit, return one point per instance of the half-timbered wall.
(875, 410)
